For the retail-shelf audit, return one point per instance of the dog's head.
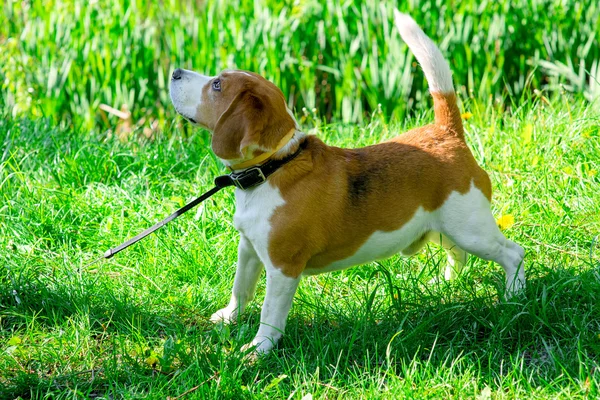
(246, 113)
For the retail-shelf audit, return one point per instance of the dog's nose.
(177, 74)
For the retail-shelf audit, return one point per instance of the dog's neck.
(287, 149)
(291, 146)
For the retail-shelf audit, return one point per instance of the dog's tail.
(437, 72)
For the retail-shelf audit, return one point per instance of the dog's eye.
(216, 85)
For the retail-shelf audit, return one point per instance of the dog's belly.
(382, 244)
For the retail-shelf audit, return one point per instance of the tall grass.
(64, 58)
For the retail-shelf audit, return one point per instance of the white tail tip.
(432, 61)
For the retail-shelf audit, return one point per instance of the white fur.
(186, 93)
(287, 149)
(463, 224)
(251, 219)
(244, 284)
(254, 209)
(435, 66)
(467, 221)
(235, 71)
(275, 310)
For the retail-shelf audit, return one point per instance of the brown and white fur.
(333, 208)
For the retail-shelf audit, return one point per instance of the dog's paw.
(515, 292)
(225, 315)
(257, 347)
(515, 286)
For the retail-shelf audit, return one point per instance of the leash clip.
(248, 178)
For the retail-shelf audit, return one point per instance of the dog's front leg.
(244, 284)
(278, 301)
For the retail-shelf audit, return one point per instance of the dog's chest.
(253, 211)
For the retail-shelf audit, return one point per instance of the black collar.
(257, 175)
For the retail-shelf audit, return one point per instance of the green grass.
(75, 181)
(137, 326)
(63, 58)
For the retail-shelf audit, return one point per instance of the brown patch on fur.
(447, 114)
(335, 199)
(248, 113)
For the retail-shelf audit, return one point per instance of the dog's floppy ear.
(253, 121)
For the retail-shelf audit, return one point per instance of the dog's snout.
(177, 74)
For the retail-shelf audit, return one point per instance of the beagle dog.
(328, 208)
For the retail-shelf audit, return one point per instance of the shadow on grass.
(548, 337)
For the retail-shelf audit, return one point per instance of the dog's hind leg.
(416, 246)
(457, 257)
(468, 222)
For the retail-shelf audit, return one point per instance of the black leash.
(244, 180)
(220, 183)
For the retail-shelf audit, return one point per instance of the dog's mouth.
(192, 121)
(189, 119)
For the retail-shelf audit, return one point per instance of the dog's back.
(339, 198)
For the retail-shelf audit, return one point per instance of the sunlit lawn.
(137, 326)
